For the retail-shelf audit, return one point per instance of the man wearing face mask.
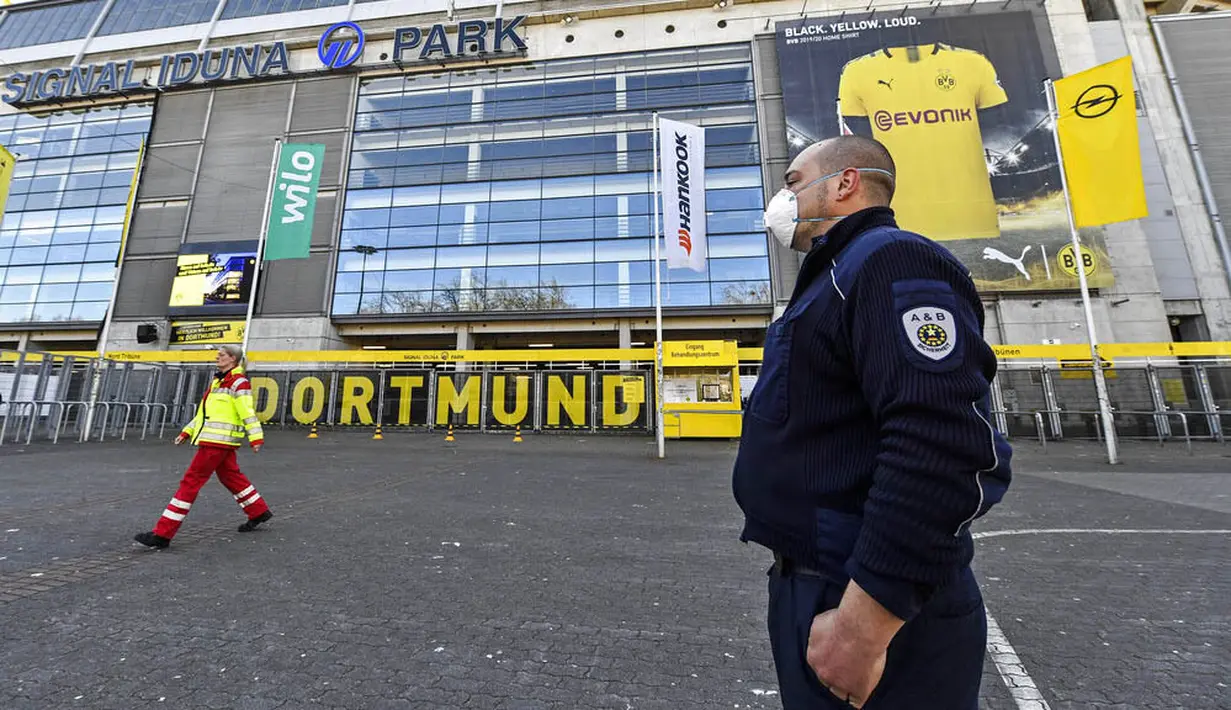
(868, 451)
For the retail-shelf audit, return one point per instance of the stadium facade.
(486, 175)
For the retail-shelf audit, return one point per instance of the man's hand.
(847, 646)
(181, 439)
(256, 447)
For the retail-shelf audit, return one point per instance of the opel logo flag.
(1098, 135)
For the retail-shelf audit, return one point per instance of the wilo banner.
(293, 202)
(682, 149)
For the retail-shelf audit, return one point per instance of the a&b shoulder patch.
(931, 330)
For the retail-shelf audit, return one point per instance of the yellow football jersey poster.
(924, 105)
(956, 94)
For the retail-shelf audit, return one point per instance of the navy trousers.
(934, 663)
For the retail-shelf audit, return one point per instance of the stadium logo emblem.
(340, 52)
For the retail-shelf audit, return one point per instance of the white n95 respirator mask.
(782, 213)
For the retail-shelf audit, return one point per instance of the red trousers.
(208, 460)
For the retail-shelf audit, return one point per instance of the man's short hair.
(861, 152)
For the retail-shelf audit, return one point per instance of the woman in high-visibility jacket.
(224, 417)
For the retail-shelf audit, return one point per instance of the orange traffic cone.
(313, 434)
(517, 437)
(450, 436)
(378, 436)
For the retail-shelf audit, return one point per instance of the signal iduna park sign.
(341, 46)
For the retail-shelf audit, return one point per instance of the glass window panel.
(567, 252)
(638, 272)
(734, 222)
(509, 232)
(454, 234)
(622, 296)
(350, 261)
(408, 301)
(351, 238)
(411, 258)
(514, 211)
(365, 219)
(451, 257)
(464, 279)
(23, 256)
(97, 272)
(410, 280)
(105, 233)
(345, 304)
(751, 198)
(687, 294)
(110, 215)
(44, 200)
(567, 275)
(16, 313)
(738, 245)
(513, 255)
(466, 193)
(349, 282)
(66, 253)
(567, 229)
(568, 187)
(141, 15)
(623, 250)
(67, 273)
(423, 195)
(71, 235)
(568, 208)
(250, 8)
(18, 294)
(740, 293)
(722, 178)
(33, 238)
(569, 297)
(516, 276)
(94, 291)
(413, 216)
(53, 311)
(364, 199)
(103, 252)
(462, 214)
(85, 181)
(93, 310)
(621, 227)
(373, 281)
(54, 23)
(5, 255)
(747, 269)
(621, 184)
(412, 237)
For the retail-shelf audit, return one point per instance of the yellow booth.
(700, 393)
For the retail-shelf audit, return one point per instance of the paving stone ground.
(562, 572)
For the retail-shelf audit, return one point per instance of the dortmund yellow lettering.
(300, 409)
(267, 385)
(632, 410)
(450, 399)
(406, 386)
(561, 398)
(521, 399)
(357, 393)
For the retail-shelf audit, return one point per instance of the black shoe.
(252, 524)
(149, 539)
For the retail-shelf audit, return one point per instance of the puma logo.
(886, 83)
(993, 254)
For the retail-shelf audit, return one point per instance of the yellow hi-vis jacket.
(226, 413)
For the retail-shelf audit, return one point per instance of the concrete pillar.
(23, 342)
(465, 341)
(626, 340)
(1178, 166)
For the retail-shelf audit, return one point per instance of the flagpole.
(260, 249)
(658, 306)
(1100, 383)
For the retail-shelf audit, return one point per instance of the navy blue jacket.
(867, 447)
